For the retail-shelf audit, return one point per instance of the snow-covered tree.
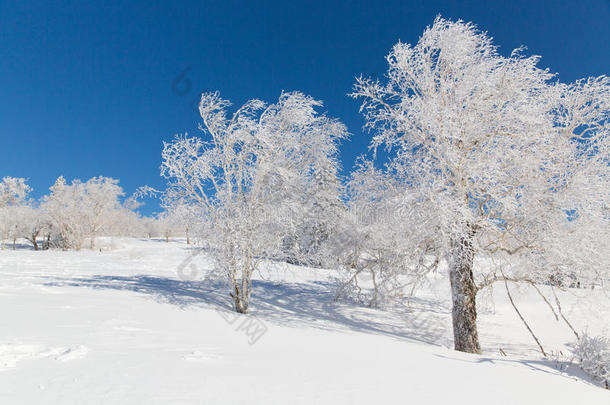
(508, 160)
(13, 191)
(13, 195)
(11, 228)
(382, 244)
(151, 227)
(32, 224)
(125, 222)
(169, 224)
(178, 218)
(246, 180)
(321, 213)
(100, 204)
(63, 207)
(78, 211)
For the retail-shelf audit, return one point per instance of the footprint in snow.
(72, 353)
(11, 354)
(199, 355)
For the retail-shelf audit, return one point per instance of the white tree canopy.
(246, 181)
(510, 161)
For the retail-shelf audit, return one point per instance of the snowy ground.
(121, 326)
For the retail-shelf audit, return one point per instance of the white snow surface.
(119, 326)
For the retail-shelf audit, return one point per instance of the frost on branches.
(78, 211)
(508, 162)
(384, 245)
(593, 355)
(13, 202)
(252, 180)
(68, 216)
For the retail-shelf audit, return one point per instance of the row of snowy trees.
(75, 213)
(491, 158)
(495, 171)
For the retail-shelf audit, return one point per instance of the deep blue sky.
(86, 87)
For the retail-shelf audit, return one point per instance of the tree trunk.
(34, 242)
(242, 287)
(240, 305)
(14, 243)
(464, 291)
(241, 302)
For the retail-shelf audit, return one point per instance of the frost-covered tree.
(63, 206)
(125, 222)
(245, 180)
(151, 227)
(32, 224)
(321, 213)
(383, 244)
(100, 204)
(178, 218)
(11, 224)
(13, 195)
(169, 225)
(78, 211)
(13, 191)
(508, 160)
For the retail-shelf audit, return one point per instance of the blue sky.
(86, 88)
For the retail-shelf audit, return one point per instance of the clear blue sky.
(86, 87)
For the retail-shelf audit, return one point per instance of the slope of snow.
(121, 326)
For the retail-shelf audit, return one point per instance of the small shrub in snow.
(593, 354)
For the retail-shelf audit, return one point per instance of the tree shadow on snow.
(286, 304)
(562, 368)
(18, 246)
(313, 304)
(162, 289)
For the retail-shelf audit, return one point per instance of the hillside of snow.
(123, 325)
